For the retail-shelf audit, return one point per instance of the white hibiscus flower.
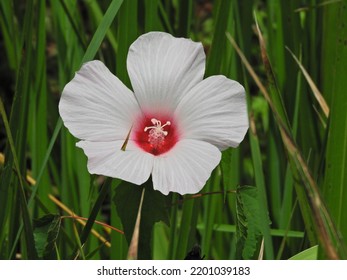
(176, 122)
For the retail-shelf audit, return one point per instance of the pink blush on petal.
(155, 133)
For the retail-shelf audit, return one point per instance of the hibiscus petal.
(163, 68)
(186, 168)
(96, 106)
(214, 111)
(107, 158)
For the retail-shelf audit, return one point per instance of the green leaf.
(219, 42)
(127, 33)
(249, 227)
(187, 228)
(232, 229)
(16, 130)
(151, 15)
(100, 33)
(96, 208)
(213, 203)
(308, 254)
(154, 209)
(335, 185)
(46, 231)
(227, 168)
(184, 18)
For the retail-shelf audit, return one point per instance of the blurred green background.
(284, 190)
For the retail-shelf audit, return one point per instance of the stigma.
(157, 134)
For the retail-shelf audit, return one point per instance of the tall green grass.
(281, 192)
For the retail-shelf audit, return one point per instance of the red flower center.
(155, 135)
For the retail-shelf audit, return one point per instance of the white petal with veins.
(185, 168)
(96, 106)
(107, 158)
(162, 69)
(214, 111)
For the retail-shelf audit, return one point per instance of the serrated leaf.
(154, 209)
(46, 230)
(248, 226)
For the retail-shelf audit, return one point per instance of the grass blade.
(335, 184)
(97, 206)
(317, 94)
(29, 234)
(103, 27)
(126, 35)
(324, 225)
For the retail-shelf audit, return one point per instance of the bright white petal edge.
(107, 158)
(163, 68)
(186, 168)
(96, 106)
(214, 111)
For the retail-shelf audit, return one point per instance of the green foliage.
(335, 183)
(294, 155)
(308, 254)
(46, 231)
(102, 29)
(127, 199)
(250, 225)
